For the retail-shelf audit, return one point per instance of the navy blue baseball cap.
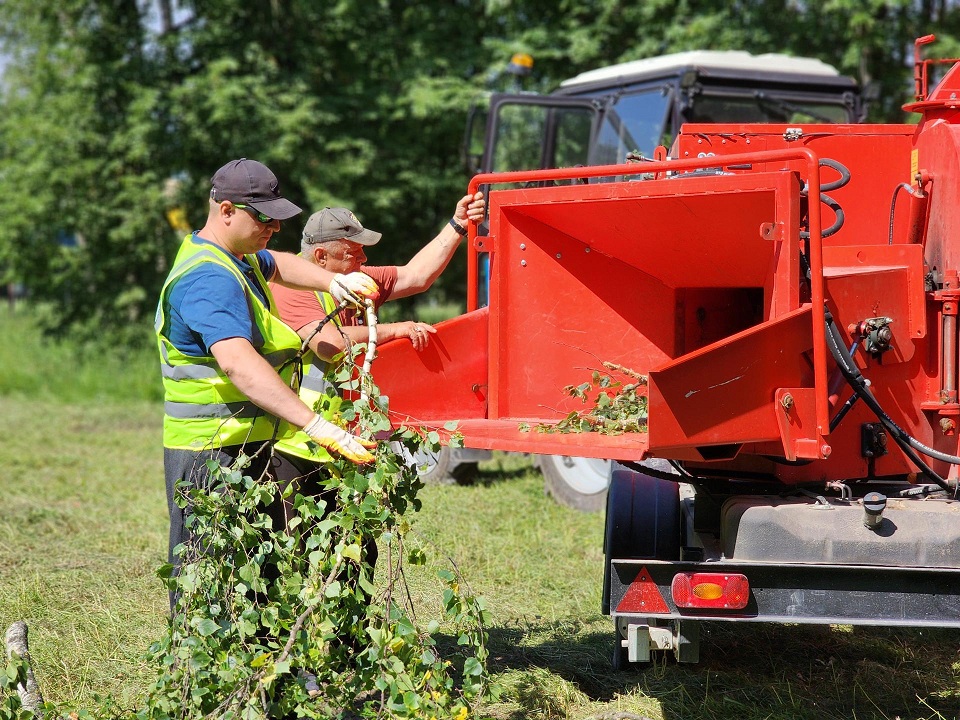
(252, 183)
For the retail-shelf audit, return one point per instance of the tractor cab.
(601, 116)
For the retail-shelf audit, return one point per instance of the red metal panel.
(445, 381)
(938, 155)
(725, 393)
(869, 281)
(877, 156)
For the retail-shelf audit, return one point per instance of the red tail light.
(724, 591)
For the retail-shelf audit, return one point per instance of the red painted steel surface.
(696, 280)
(446, 380)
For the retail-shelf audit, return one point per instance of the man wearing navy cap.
(225, 354)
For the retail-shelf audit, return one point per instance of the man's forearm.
(427, 265)
(329, 343)
(295, 272)
(257, 379)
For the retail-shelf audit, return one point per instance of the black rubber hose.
(840, 181)
(838, 219)
(829, 201)
(893, 208)
(856, 380)
(912, 441)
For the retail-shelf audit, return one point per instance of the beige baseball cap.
(337, 224)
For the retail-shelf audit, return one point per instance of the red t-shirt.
(301, 307)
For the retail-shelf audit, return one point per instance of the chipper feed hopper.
(790, 295)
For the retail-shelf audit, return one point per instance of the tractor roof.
(719, 63)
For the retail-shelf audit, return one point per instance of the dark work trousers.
(309, 477)
(191, 466)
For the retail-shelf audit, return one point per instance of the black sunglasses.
(265, 219)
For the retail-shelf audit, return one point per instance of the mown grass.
(73, 370)
(83, 526)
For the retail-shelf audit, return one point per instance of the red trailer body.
(737, 274)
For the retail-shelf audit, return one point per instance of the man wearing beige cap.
(335, 240)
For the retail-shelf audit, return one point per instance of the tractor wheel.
(579, 483)
(439, 468)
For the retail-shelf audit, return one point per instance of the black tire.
(643, 521)
(434, 467)
(444, 467)
(578, 483)
(465, 473)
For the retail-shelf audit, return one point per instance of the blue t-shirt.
(207, 305)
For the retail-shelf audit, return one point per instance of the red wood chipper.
(790, 294)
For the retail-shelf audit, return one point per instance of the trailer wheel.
(579, 483)
(643, 521)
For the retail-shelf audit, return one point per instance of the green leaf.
(207, 627)
(352, 552)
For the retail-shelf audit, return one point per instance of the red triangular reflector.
(643, 596)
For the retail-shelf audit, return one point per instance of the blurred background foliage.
(115, 113)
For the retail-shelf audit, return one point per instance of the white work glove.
(353, 287)
(337, 440)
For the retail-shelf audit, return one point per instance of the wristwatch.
(462, 231)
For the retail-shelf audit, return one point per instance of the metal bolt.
(586, 249)
(523, 246)
(825, 450)
(558, 256)
(948, 426)
(523, 263)
(786, 402)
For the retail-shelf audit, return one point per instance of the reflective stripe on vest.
(182, 411)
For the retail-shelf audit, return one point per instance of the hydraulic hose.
(912, 441)
(829, 201)
(859, 384)
(840, 181)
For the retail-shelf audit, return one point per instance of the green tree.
(116, 111)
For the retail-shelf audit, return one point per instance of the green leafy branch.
(289, 620)
(617, 405)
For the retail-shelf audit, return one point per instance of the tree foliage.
(116, 111)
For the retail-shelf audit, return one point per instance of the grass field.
(83, 526)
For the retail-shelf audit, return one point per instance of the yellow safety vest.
(203, 409)
(317, 386)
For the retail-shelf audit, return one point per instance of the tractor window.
(520, 131)
(763, 107)
(634, 123)
(573, 137)
(540, 136)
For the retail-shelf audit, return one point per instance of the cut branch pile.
(617, 405)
